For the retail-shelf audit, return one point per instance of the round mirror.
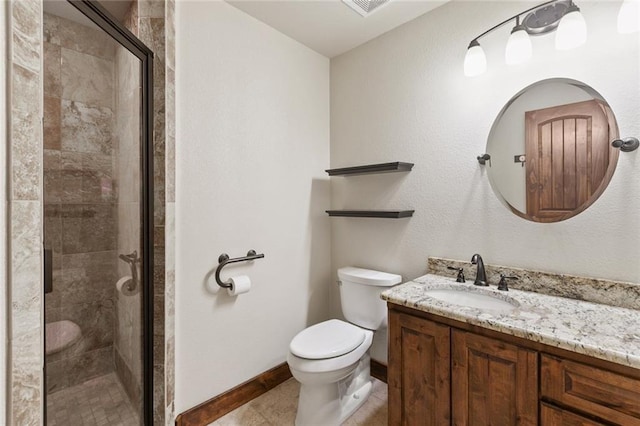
(550, 150)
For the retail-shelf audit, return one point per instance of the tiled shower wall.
(146, 20)
(25, 204)
(128, 343)
(79, 195)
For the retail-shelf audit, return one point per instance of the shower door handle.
(48, 271)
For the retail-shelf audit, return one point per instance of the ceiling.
(330, 27)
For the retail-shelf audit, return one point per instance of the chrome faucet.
(481, 276)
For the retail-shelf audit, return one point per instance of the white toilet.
(331, 359)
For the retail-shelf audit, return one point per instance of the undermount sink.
(472, 299)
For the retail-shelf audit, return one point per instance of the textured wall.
(403, 97)
(253, 143)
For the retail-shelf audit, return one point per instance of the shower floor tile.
(278, 408)
(97, 402)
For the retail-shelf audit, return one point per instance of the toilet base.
(331, 404)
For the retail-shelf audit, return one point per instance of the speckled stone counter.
(598, 330)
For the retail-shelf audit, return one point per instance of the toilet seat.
(327, 339)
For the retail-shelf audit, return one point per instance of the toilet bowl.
(331, 359)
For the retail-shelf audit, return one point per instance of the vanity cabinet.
(419, 373)
(445, 372)
(493, 382)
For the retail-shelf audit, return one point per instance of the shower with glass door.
(98, 199)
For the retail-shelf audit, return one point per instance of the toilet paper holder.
(224, 260)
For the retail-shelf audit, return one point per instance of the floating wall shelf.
(387, 214)
(371, 168)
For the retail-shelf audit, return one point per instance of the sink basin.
(472, 299)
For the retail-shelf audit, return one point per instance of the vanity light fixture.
(563, 15)
(572, 29)
(519, 48)
(629, 17)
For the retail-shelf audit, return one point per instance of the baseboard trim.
(222, 404)
(379, 370)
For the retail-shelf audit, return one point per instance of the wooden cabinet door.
(419, 371)
(494, 383)
(554, 416)
(569, 159)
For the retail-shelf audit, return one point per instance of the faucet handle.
(460, 278)
(502, 285)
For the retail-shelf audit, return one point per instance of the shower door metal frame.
(103, 19)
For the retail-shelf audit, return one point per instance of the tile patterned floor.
(97, 402)
(278, 408)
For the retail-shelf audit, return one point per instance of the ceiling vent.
(365, 7)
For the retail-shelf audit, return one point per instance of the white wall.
(252, 144)
(403, 97)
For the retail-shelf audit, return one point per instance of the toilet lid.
(327, 340)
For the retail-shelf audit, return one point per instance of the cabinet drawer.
(607, 395)
(554, 416)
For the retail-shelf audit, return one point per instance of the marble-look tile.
(51, 75)
(84, 39)
(614, 293)
(246, 415)
(96, 320)
(169, 302)
(169, 378)
(374, 412)
(170, 134)
(52, 166)
(159, 271)
(51, 29)
(128, 231)
(100, 401)
(57, 376)
(27, 24)
(88, 277)
(88, 227)
(158, 394)
(87, 79)
(26, 255)
(170, 34)
(130, 382)
(129, 331)
(26, 135)
(151, 8)
(279, 408)
(87, 178)
(26, 378)
(89, 365)
(86, 128)
(158, 314)
(52, 122)
(169, 238)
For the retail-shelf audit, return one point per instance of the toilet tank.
(360, 295)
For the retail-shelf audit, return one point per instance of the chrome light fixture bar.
(541, 19)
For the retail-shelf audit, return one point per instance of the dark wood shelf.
(371, 168)
(386, 214)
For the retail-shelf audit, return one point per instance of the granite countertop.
(602, 331)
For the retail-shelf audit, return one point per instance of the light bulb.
(475, 62)
(518, 48)
(629, 17)
(572, 30)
